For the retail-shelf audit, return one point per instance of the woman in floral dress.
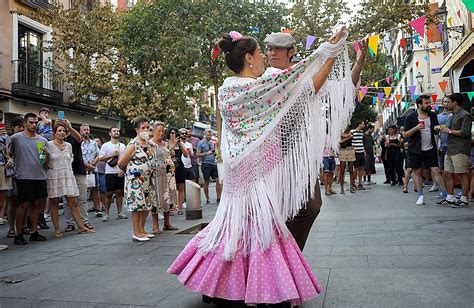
(136, 162)
(163, 179)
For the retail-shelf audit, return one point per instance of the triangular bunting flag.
(397, 97)
(440, 28)
(450, 21)
(397, 75)
(374, 100)
(459, 14)
(380, 96)
(387, 79)
(389, 102)
(442, 85)
(412, 90)
(472, 78)
(371, 53)
(417, 63)
(289, 31)
(433, 107)
(360, 96)
(470, 95)
(415, 97)
(437, 107)
(428, 34)
(376, 84)
(374, 43)
(356, 46)
(309, 41)
(407, 105)
(419, 25)
(387, 91)
(416, 38)
(403, 43)
(425, 58)
(434, 97)
(433, 52)
(364, 90)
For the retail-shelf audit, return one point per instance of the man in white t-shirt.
(114, 177)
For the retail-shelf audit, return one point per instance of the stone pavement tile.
(372, 233)
(183, 298)
(328, 215)
(400, 288)
(434, 211)
(321, 234)
(338, 261)
(335, 241)
(397, 240)
(16, 302)
(120, 248)
(11, 264)
(438, 250)
(385, 214)
(81, 304)
(366, 251)
(421, 262)
(452, 240)
(129, 285)
(360, 222)
(440, 232)
(50, 276)
(318, 228)
(317, 250)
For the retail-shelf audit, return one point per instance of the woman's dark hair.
(57, 125)
(168, 133)
(139, 120)
(456, 97)
(235, 51)
(394, 127)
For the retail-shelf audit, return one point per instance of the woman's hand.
(338, 36)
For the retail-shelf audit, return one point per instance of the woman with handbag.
(61, 180)
(136, 162)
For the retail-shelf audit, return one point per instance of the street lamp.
(419, 78)
(442, 15)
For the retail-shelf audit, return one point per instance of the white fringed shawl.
(274, 132)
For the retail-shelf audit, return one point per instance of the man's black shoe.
(387, 182)
(43, 225)
(19, 240)
(36, 237)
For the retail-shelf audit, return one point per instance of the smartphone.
(2, 125)
(61, 115)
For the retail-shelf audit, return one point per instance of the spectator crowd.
(48, 168)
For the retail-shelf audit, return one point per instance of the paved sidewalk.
(375, 248)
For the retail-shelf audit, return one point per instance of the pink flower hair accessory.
(235, 36)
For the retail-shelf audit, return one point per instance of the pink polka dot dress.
(278, 274)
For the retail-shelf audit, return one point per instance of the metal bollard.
(193, 200)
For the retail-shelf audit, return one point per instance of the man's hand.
(364, 48)
(10, 163)
(121, 173)
(338, 36)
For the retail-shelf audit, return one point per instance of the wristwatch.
(450, 131)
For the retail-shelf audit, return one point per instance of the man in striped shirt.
(358, 145)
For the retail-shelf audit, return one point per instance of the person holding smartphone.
(206, 150)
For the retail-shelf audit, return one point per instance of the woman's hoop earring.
(251, 66)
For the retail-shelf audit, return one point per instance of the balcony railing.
(37, 82)
(37, 4)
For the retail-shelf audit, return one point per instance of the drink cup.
(422, 124)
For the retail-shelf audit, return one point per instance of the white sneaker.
(2, 221)
(160, 216)
(421, 200)
(105, 218)
(47, 217)
(433, 188)
(184, 205)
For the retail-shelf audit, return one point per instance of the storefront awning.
(458, 54)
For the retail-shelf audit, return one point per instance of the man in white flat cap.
(280, 52)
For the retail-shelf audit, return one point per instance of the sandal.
(360, 187)
(58, 234)
(70, 228)
(405, 190)
(11, 234)
(169, 228)
(26, 231)
(156, 231)
(333, 192)
(86, 231)
(180, 212)
(353, 189)
(89, 226)
(327, 193)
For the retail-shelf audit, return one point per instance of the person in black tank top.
(394, 143)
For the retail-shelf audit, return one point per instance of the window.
(30, 56)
